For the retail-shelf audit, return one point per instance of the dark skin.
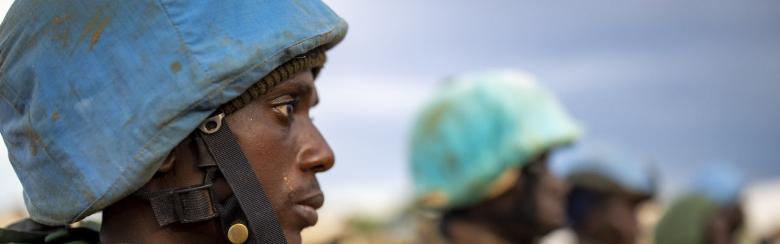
(613, 221)
(723, 225)
(549, 199)
(285, 150)
(529, 210)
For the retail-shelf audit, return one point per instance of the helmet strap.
(219, 152)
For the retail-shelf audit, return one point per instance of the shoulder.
(29, 231)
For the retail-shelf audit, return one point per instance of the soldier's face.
(548, 195)
(616, 220)
(723, 225)
(286, 150)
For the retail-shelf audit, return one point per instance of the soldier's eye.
(285, 109)
(285, 106)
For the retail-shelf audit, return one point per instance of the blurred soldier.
(710, 212)
(772, 238)
(606, 192)
(183, 121)
(479, 157)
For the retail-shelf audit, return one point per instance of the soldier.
(479, 157)
(607, 188)
(184, 122)
(710, 212)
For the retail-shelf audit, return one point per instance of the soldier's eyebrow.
(291, 87)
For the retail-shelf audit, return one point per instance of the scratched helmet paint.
(94, 94)
(478, 128)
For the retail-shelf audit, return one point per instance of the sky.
(679, 82)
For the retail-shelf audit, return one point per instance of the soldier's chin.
(551, 226)
(293, 236)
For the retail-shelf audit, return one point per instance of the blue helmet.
(94, 94)
(720, 182)
(611, 171)
(479, 127)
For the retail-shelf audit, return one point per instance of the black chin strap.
(183, 205)
(219, 150)
(239, 174)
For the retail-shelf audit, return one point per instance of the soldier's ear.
(168, 163)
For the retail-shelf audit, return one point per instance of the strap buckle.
(183, 205)
(193, 205)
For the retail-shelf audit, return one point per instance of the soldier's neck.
(475, 227)
(462, 232)
(131, 221)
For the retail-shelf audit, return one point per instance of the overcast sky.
(682, 82)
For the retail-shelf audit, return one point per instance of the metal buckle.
(212, 124)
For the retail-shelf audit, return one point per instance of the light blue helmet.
(612, 171)
(94, 94)
(479, 127)
(720, 182)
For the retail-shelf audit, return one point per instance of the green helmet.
(479, 127)
(685, 220)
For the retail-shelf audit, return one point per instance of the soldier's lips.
(306, 208)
